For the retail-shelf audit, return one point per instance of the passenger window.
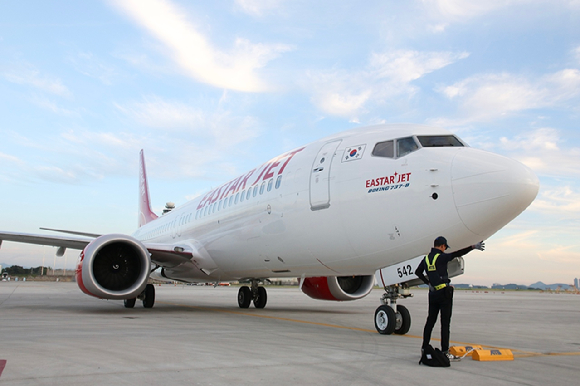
(255, 190)
(278, 181)
(249, 194)
(270, 184)
(236, 200)
(262, 187)
(242, 196)
(231, 200)
(384, 149)
(439, 141)
(406, 146)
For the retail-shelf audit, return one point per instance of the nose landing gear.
(390, 317)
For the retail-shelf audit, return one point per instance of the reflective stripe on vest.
(438, 287)
(431, 266)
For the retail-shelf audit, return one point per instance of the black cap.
(440, 241)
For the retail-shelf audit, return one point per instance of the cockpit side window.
(395, 148)
(439, 141)
(406, 146)
(384, 149)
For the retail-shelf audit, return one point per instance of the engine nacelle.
(113, 266)
(338, 288)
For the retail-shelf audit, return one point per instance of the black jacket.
(440, 265)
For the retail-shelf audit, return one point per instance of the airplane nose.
(490, 190)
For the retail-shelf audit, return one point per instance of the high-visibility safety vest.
(431, 266)
(432, 272)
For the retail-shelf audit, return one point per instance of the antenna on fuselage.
(168, 207)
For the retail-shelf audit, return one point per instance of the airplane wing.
(165, 255)
(94, 235)
(55, 241)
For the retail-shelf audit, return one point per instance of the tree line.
(17, 270)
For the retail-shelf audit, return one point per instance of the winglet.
(145, 212)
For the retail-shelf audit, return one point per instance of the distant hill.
(538, 286)
(510, 286)
(469, 286)
(542, 286)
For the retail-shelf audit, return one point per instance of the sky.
(212, 89)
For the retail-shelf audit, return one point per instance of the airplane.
(331, 213)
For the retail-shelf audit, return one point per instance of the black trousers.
(441, 300)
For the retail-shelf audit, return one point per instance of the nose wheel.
(385, 320)
(390, 317)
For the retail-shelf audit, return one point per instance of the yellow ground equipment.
(493, 355)
(463, 351)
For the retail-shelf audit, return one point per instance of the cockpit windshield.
(439, 141)
(400, 147)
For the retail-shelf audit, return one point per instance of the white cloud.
(537, 248)
(159, 113)
(544, 151)
(438, 28)
(211, 132)
(405, 66)
(88, 64)
(51, 105)
(346, 94)
(490, 96)
(27, 74)
(9, 158)
(576, 51)
(459, 9)
(193, 52)
(561, 201)
(462, 10)
(224, 127)
(258, 7)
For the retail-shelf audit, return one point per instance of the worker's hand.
(480, 246)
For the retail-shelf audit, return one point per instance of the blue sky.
(213, 89)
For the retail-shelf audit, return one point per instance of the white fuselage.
(332, 208)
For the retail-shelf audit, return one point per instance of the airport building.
(576, 283)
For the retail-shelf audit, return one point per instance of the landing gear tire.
(261, 298)
(244, 297)
(130, 303)
(403, 320)
(149, 298)
(385, 320)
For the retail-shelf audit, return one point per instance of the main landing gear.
(390, 317)
(147, 296)
(256, 294)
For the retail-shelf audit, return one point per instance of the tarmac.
(52, 334)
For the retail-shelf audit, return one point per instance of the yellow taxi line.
(517, 353)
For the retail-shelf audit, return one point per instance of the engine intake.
(113, 267)
(338, 288)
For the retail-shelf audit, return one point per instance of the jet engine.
(338, 288)
(113, 266)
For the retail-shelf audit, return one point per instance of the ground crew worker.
(440, 291)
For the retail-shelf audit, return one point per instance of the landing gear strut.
(256, 294)
(390, 317)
